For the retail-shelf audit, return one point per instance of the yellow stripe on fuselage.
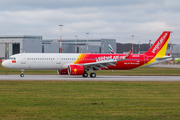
(160, 54)
(79, 59)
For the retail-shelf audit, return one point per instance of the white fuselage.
(39, 61)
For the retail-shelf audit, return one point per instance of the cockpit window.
(11, 58)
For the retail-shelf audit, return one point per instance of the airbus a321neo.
(80, 63)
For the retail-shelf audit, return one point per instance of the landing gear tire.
(85, 75)
(93, 75)
(21, 75)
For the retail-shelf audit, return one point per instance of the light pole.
(76, 45)
(139, 47)
(60, 38)
(103, 46)
(132, 43)
(81, 46)
(87, 42)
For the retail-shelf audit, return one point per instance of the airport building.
(175, 50)
(79, 45)
(10, 45)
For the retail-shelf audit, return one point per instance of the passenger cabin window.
(37, 58)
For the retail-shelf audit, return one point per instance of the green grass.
(47, 100)
(141, 71)
(14, 71)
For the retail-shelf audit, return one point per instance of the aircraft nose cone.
(4, 64)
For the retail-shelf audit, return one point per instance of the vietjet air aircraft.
(79, 64)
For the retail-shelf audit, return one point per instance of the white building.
(10, 45)
(175, 50)
(79, 45)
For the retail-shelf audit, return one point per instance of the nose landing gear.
(22, 74)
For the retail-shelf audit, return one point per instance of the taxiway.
(98, 78)
(166, 66)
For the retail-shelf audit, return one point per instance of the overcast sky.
(117, 19)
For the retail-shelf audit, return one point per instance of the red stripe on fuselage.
(134, 60)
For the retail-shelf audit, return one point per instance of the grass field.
(47, 100)
(141, 71)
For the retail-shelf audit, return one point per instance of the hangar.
(10, 45)
(79, 45)
(175, 50)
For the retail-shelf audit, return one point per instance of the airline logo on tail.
(111, 49)
(156, 47)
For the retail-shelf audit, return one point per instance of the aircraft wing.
(99, 64)
(105, 63)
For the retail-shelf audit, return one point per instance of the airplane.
(111, 49)
(80, 63)
(177, 59)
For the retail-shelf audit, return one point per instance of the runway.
(80, 78)
(166, 66)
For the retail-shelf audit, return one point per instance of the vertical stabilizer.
(111, 49)
(160, 46)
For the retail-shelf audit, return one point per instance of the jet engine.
(75, 70)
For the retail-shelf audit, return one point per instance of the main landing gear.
(22, 74)
(85, 74)
(92, 75)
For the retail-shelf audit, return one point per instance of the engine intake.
(75, 70)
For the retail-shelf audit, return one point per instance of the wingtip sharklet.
(129, 53)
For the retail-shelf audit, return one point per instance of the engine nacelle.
(63, 72)
(75, 70)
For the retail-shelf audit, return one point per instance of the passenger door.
(145, 59)
(23, 59)
(58, 59)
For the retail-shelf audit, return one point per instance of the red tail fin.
(159, 44)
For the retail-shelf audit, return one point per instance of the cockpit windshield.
(11, 58)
